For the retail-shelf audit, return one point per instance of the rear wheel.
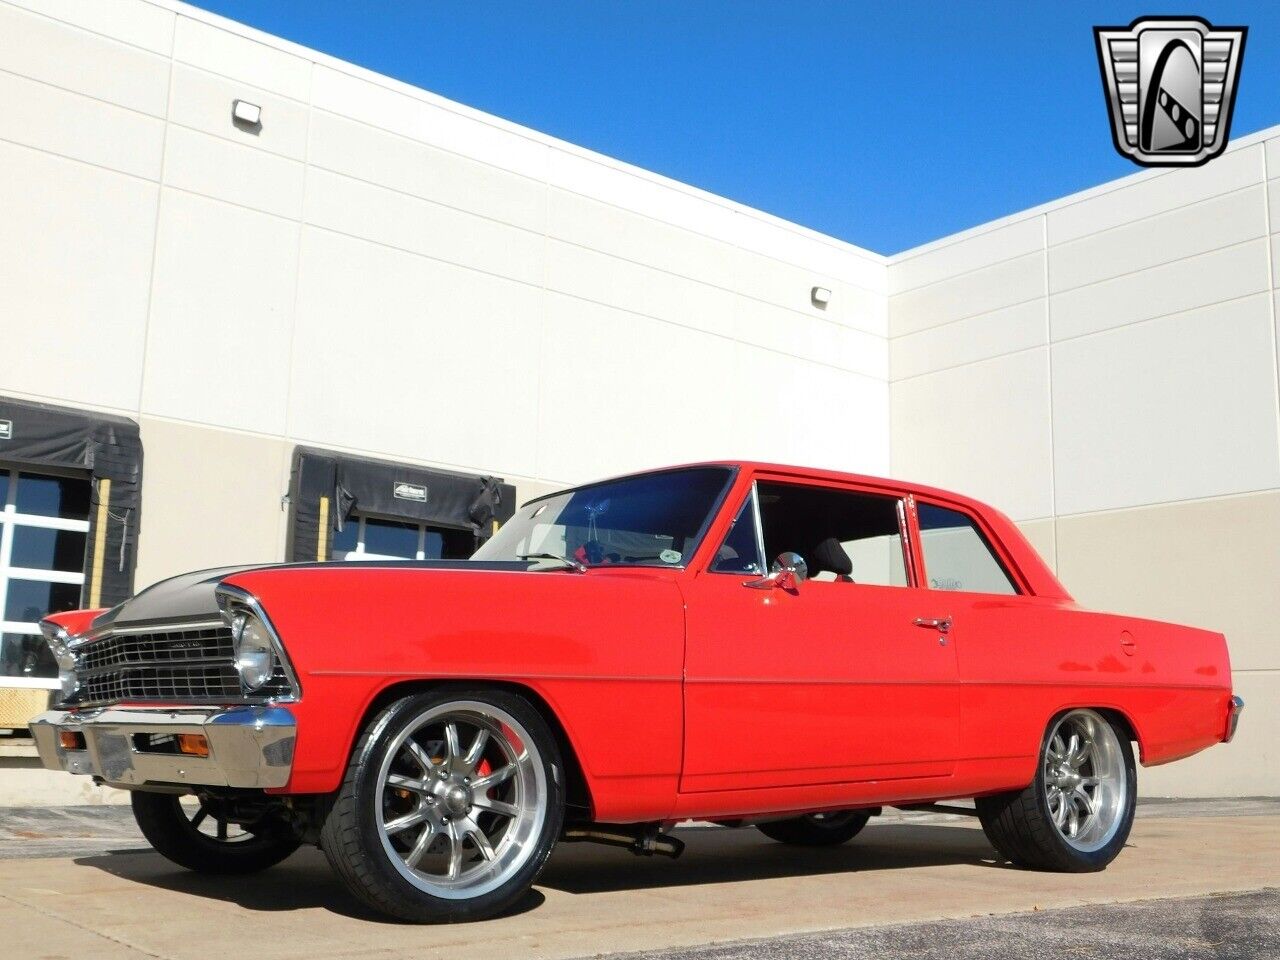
(1076, 816)
(199, 834)
(451, 805)
(817, 829)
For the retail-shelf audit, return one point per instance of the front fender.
(604, 650)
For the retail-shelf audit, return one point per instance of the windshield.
(655, 519)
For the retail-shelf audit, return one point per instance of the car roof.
(1036, 573)
(819, 473)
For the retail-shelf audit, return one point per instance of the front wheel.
(817, 829)
(1076, 816)
(451, 805)
(200, 834)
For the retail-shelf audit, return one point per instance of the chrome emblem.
(1170, 84)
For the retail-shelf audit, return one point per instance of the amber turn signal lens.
(194, 744)
(70, 740)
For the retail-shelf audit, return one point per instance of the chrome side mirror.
(789, 571)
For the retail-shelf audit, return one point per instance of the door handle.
(942, 624)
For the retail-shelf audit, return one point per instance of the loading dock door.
(70, 498)
(357, 508)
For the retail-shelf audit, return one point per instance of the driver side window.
(843, 536)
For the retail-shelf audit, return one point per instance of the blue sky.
(885, 124)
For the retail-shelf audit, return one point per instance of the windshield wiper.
(571, 564)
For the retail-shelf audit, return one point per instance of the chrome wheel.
(462, 799)
(1085, 780)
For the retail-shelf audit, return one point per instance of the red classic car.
(620, 657)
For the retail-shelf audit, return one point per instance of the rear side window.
(957, 555)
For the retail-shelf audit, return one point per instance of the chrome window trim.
(755, 509)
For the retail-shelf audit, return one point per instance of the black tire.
(1020, 824)
(352, 836)
(176, 837)
(817, 829)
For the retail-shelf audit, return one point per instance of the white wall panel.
(1146, 194)
(140, 24)
(202, 101)
(75, 257)
(1273, 200)
(428, 120)
(241, 58)
(780, 240)
(408, 357)
(650, 401)
(591, 223)
(631, 286)
(1173, 287)
(231, 171)
(982, 429)
(982, 337)
(967, 295)
(1271, 148)
(75, 126)
(811, 338)
(74, 59)
(391, 160)
(616, 184)
(666, 394)
(950, 258)
(221, 315)
(1176, 408)
(842, 423)
(791, 286)
(375, 213)
(1176, 235)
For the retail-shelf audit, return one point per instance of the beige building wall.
(1103, 368)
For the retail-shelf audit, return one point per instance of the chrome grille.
(172, 665)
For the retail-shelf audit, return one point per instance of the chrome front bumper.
(248, 746)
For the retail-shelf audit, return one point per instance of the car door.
(998, 632)
(830, 682)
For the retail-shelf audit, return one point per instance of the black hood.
(190, 596)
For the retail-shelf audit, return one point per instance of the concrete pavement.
(730, 886)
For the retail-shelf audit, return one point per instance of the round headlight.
(251, 643)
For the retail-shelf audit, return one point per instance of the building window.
(44, 529)
(375, 538)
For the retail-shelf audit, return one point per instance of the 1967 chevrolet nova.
(620, 657)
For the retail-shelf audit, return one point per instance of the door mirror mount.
(788, 572)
